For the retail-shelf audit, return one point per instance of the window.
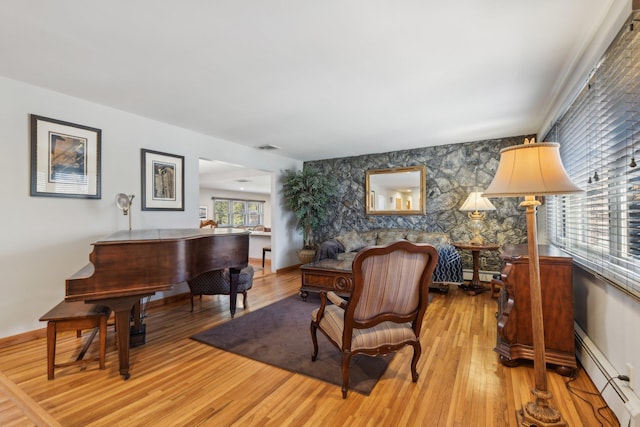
(599, 137)
(238, 213)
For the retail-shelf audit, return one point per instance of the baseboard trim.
(620, 398)
(485, 276)
(289, 268)
(42, 333)
(22, 338)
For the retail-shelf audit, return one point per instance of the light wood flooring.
(176, 381)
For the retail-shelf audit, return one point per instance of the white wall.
(610, 318)
(47, 239)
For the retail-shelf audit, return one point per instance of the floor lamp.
(529, 170)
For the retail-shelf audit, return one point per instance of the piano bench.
(76, 316)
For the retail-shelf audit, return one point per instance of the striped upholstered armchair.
(386, 307)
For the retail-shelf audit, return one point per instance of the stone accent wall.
(452, 173)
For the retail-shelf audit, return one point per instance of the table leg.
(122, 309)
(475, 287)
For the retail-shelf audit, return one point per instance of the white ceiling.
(319, 79)
(226, 176)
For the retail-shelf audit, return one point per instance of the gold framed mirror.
(396, 191)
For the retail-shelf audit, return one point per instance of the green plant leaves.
(308, 194)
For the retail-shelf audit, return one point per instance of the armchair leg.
(346, 358)
(417, 351)
(314, 338)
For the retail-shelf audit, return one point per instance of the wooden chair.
(385, 309)
(208, 223)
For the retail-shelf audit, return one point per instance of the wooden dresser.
(514, 309)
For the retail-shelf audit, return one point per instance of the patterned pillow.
(351, 241)
(369, 237)
(385, 237)
(436, 239)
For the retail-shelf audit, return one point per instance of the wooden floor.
(176, 381)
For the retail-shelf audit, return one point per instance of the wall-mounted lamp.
(123, 202)
(476, 205)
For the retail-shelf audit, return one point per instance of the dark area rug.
(278, 335)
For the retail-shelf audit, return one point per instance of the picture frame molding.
(60, 174)
(153, 198)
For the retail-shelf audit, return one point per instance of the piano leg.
(122, 308)
(234, 274)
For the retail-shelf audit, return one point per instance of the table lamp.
(529, 170)
(475, 205)
(123, 202)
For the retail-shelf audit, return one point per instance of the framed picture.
(162, 181)
(203, 212)
(65, 159)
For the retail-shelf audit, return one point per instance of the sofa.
(448, 269)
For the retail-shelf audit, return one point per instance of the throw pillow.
(435, 239)
(385, 237)
(351, 241)
(369, 237)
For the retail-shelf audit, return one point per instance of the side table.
(326, 275)
(475, 287)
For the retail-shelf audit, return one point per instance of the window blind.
(599, 138)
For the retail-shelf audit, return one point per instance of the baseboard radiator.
(620, 398)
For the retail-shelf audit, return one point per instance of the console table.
(326, 275)
(515, 339)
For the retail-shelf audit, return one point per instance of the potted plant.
(308, 193)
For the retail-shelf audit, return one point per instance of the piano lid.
(168, 234)
(140, 262)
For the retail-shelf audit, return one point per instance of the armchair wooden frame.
(389, 300)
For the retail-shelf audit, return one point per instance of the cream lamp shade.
(476, 202)
(531, 169)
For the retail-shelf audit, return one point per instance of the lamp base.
(477, 226)
(477, 240)
(539, 413)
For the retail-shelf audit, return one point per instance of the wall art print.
(65, 159)
(162, 181)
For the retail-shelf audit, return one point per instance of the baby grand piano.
(129, 265)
